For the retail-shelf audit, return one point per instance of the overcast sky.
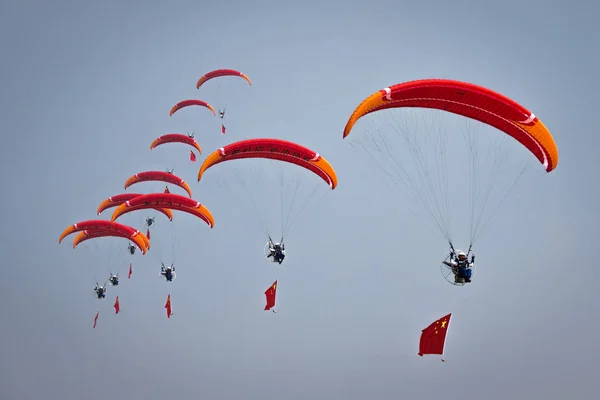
(86, 86)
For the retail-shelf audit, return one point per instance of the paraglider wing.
(96, 225)
(108, 226)
(158, 176)
(221, 72)
(204, 215)
(142, 242)
(275, 149)
(166, 200)
(187, 103)
(144, 238)
(119, 199)
(202, 212)
(176, 138)
(470, 101)
(91, 234)
(114, 201)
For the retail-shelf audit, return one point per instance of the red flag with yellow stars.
(434, 336)
(270, 294)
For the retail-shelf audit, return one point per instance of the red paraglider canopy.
(221, 72)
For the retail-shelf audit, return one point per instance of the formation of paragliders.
(420, 178)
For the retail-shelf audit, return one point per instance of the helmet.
(461, 255)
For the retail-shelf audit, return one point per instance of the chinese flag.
(96, 319)
(167, 189)
(168, 307)
(434, 336)
(270, 294)
(117, 306)
(192, 156)
(129, 274)
(222, 129)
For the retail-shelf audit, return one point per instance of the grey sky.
(86, 86)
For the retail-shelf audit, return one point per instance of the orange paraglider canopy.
(102, 225)
(166, 200)
(470, 101)
(119, 199)
(160, 176)
(187, 103)
(275, 149)
(176, 138)
(221, 72)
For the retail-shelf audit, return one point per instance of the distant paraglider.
(275, 251)
(278, 152)
(168, 273)
(113, 279)
(221, 73)
(100, 291)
